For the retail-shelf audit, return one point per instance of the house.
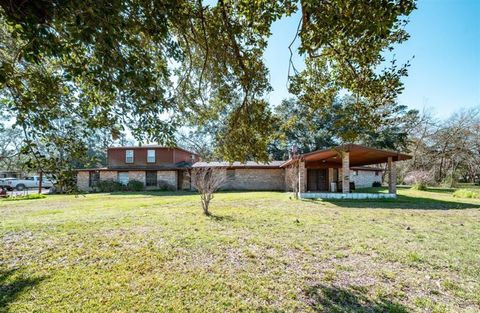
(325, 173)
(155, 166)
(10, 174)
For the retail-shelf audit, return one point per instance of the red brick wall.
(163, 156)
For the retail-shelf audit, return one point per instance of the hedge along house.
(156, 167)
(328, 174)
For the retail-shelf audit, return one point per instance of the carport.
(319, 169)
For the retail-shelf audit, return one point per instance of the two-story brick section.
(154, 166)
(335, 170)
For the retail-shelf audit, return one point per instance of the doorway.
(317, 180)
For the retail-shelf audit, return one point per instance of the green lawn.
(156, 252)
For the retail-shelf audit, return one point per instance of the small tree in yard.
(291, 177)
(207, 180)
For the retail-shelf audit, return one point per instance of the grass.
(466, 193)
(33, 196)
(156, 252)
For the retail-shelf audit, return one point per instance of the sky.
(443, 49)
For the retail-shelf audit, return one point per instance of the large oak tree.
(149, 66)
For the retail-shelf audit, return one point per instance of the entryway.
(317, 180)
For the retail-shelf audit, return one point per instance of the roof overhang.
(359, 155)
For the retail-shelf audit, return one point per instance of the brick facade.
(108, 175)
(255, 179)
(364, 179)
(82, 180)
(168, 177)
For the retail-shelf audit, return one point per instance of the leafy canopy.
(74, 67)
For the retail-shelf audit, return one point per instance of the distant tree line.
(445, 152)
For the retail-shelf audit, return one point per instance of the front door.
(317, 180)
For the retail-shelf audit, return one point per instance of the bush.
(377, 184)
(420, 186)
(135, 185)
(26, 197)
(466, 193)
(449, 182)
(109, 186)
(165, 186)
(419, 178)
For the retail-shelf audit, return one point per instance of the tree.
(448, 149)
(207, 180)
(291, 177)
(311, 130)
(146, 66)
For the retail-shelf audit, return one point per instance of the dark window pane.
(151, 178)
(93, 178)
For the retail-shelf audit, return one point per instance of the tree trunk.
(40, 182)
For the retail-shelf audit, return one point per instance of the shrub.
(420, 186)
(166, 186)
(419, 177)
(135, 185)
(109, 186)
(377, 184)
(26, 197)
(466, 193)
(449, 182)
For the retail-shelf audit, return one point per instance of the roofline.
(265, 167)
(152, 147)
(104, 169)
(346, 147)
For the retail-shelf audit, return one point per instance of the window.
(150, 156)
(128, 156)
(151, 178)
(230, 174)
(123, 178)
(93, 178)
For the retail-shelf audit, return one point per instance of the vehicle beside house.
(26, 183)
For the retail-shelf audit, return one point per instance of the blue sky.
(444, 75)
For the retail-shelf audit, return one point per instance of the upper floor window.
(150, 156)
(128, 156)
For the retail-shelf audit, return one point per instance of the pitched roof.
(248, 164)
(359, 155)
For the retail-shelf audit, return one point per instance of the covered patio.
(325, 174)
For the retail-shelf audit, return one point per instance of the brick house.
(155, 166)
(320, 172)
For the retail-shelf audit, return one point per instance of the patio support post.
(346, 172)
(301, 176)
(392, 176)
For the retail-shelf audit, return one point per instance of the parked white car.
(27, 182)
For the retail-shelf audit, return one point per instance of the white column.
(392, 176)
(330, 178)
(346, 172)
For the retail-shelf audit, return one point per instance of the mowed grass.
(156, 252)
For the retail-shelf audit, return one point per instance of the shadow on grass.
(221, 218)
(322, 298)
(401, 202)
(11, 286)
